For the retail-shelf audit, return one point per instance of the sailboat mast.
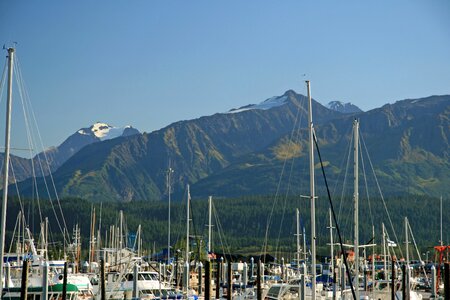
(6, 158)
(356, 200)
(169, 190)
(297, 214)
(187, 223)
(187, 240)
(441, 241)
(313, 196)
(209, 223)
(121, 231)
(331, 243)
(384, 252)
(373, 254)
(407, 243)
(304, 245)
(92, 238)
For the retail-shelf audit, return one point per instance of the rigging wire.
(347, 167)
(196, 237)
(223, 242)
(295, 133)
(16, 227)
(28, 105)
(22, 209)
(334, 215)
(2, 81)
(271, 214)
(23, 94)
(418, 253)
(381, 194)
(180, 224)
(366, 184)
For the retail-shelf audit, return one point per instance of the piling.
(102, 280)
(207, 280)
(393, 281)
(222, 278)
(245, 275)
(447, 281)
(433, 282)
(45, 280)
(7, 274)
(24, 283)
(186, 277)
(258, 282)
(404, 281)
(218, 271)
(229, 281)
(252, 267)
(200, 271)
(342, 278)
(135, 281)
(263, 271)
(335, 274)
(64, 290)
(303, 282)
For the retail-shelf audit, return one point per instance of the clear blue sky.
(151, 63)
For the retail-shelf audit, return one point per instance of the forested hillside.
(240, 224)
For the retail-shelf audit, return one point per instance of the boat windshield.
(274, 291)
(148, 276)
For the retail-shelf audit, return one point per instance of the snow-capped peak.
(265, 105)
(103, 131)
(346, 108)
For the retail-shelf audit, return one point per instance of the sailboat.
(51, 283)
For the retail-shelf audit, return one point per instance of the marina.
(119, 270)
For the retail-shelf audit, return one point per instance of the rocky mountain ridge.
(243, 152)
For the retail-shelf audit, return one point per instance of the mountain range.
(262, 150)
(50, 160)
(346, 108)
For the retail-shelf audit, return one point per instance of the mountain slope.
(406, 143)
(95, 133)
(51, 159)
(133, 168)
(345, 108)
(250, 151)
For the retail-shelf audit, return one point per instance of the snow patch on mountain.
(265, 105)
(103, 131)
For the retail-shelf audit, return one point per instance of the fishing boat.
(55, 292)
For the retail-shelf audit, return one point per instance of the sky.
(151, 63)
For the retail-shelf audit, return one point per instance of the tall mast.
(121, 231)
(441, 241)
(46, 237)
(169, 190)
(331, 243)
(406, 243)
(92, 239)
(6, 159)
(356, 200)
(373, 254)
(99, 232)
(298, 239)
(187, 223)
(312, 191)
(209, 223)
(384, 252)
(187, 236)
(304, 245)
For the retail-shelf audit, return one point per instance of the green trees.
(240, 224)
